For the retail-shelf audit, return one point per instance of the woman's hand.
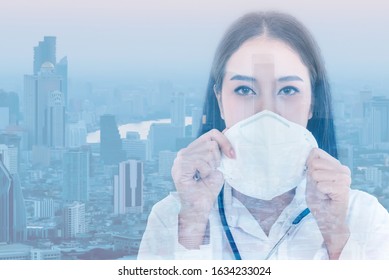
(198, 183)
(327, 195)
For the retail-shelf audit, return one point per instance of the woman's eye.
(288, 91)
(243, 90)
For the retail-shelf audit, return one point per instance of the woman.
(241, 191)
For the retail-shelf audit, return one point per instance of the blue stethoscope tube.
(230, 238)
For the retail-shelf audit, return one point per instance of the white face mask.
(271, 153)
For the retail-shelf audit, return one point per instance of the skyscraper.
(163, 137)
(197, 118)
(19, 224)
(128, 188)
(55, 120)
(12, 209)
(74, 219)
(76, 134)
(42, 96)
(119, 197)
(110, 143)
(376, 117)
(177, 113)
(38, 88)
(76, 174)
(61, 68)
(45, 52)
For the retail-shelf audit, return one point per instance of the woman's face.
(265, 74)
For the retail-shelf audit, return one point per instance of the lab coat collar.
(238, 216)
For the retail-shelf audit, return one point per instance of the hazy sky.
(128, 40)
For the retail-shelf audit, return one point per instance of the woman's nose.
(266, 103)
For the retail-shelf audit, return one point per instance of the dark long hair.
(290, 31)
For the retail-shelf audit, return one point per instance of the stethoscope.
(231, 240)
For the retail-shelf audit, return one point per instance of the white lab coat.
(368, 221)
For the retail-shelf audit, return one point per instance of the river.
(141, 127)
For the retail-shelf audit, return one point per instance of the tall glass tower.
(110, 143)
(37, 91)
(76, 174)
(41, 92)
(45, 52)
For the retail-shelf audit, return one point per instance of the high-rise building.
(17, 136)
(119, 197)
(43, 208)
(9, 108)
(47, 208)
(61, 68)
(13, 159)
(177, 113)
(110, 142)
(12, 209)
(38, 88)
(74, 219)
(5, 215)
(10, 158)
(373, 175)
(134, 147)
(42, 98)
(376, 117)
(10, 139)
(356, 103)
(45, 52)
(76, 134)
(197, 118)
(19, 225)
(35, 205)
(55, 120)
(76, 167)
(162, 137)
(128, 188)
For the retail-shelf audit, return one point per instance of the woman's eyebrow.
(290, 79)
(243, 78)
